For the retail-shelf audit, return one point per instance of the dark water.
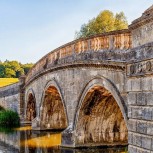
(24, 140)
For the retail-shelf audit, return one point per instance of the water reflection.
(24, 140)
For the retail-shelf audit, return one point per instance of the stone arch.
(53, 114)
(101, 117)
(30, 106)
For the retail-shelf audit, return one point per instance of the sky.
(29, 29)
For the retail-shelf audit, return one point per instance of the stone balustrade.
(115, 40)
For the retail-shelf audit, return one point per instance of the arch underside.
(100, 120)
(53, 114)
(31, 108)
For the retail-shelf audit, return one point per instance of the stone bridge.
(81, 86)
(99, 90)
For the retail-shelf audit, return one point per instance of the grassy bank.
(7, 81)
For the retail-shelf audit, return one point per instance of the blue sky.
(29, 29)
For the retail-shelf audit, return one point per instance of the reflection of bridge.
(27, 141)
(98, 89)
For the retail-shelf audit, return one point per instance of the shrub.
(9, 118)
(1, 108)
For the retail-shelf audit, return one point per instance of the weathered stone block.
(132, 98)
(132, 149)
(137, 112)
(129, 85)
(150, 128)
(141, 150)
(146, 142)
(137, 140)
(132, 125)
(142, 113)
(142, 127)
(141, 99)
(136, 84)
(147, 84)
(147, 113)
(130, 138)
(149, 97)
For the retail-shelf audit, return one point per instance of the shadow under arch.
(53, 113)
(30, 106)
(101, 117)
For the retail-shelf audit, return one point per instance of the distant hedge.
(9, 118)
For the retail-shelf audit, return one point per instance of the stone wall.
(140, 85)
(10, 97)
(140, 106)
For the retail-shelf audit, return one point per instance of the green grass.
(7, 81)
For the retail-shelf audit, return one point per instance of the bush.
(1, 108)
(9, 118)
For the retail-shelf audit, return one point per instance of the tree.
(9, 73)
(27, 67)
(120, 21)
(13, 69)
(104, 22)
(14, 65)
(2, 70)
(20, 72)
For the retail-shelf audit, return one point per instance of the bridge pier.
(68, 137)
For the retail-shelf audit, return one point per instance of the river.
(24, 140)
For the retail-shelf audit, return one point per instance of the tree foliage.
(106, 21)
(13, 69)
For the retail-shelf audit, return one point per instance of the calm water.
(24, 140)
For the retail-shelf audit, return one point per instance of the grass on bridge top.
(7, 81)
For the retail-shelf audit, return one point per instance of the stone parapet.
(116, 40)
(9, 90)
(9, 97)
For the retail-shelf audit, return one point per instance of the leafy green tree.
(120, 21)
(20, 72)
(9, 73)
(106, 21)
(13, 69)
(27, 67)
(14, 65)
(2, 70)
